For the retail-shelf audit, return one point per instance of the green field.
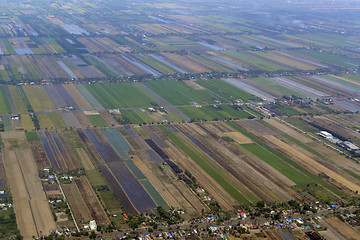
(97, 120)
(221, 112)
(18, 100)
(32, 136)
(4, 102)
(178, 93)
(92, 60)
(327, 58)
(38, 98)
(121, 95)
(137, 116)
(252, 60)
(7, 123)
(277, 163)
(8, 46)
(50, 121)
(275, 88)
(130, 95)
(226, 90)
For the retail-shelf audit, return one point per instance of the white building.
(93, 225)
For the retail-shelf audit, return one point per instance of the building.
(350, 146)
(93, 225)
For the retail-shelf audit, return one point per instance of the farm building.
(350, 146)
(92, 225)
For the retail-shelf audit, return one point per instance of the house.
(14, 117)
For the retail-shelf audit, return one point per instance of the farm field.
(121, 95)
(50, 121)
(97, 120)
(179, 119)
(178, 93)
(18, 99)
(34, 218)
(4, 103)
(38, 99)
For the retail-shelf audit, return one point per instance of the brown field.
(330, 155)
(208, 183)
(186, 62)
(13, 135)
(302, 138)
(313, 165)
(255, 178)
(269, 176)
(92, 202)
(77, 203)
(343, 228)
(338, 159)
(108, 118)
(38, 151)
(82, 119)
(78, 97)
(17, 124)
(85, 159)
(71, 160)
(238, 137)
(66, 158)
(169, 182)
(32, 210)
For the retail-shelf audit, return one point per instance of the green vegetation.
(18, 99)
(277, 163)
(276, 88)
(8, 226)
(95, 178)
(129, 95)
(32, 136)
(50, 120)
(226, 90)
(327, 58)
(97, 120)
(221, 112)
(178, 93)
(8, 46)
(4, 102)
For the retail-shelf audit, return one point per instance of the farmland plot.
(58, 150)
(31, 207)
(87, 193)
(305, 162)
(229, 158)
(80, 100)
(38, 98)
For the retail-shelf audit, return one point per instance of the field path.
(163, 101)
